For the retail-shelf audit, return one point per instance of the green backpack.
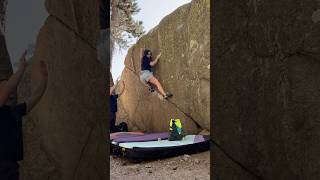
(176, 132)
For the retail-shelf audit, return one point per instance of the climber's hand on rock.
(159, 55)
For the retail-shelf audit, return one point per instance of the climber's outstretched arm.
(154, 62)
(9, 86)
(112, 89)
(39, 90)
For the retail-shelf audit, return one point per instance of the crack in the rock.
(236, 161)
(186, 114)
(75, 32)
(132, 60)
(82, 152)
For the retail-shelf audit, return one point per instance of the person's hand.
(159, 55)
(43, 69)
(23, 63)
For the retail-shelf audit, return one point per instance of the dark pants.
(9, 170)
(113, 122)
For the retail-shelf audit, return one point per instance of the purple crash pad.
(142, 138)
(198, 139)
(125, 134)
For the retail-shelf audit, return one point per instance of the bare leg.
(155, 81)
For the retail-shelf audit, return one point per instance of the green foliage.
(123, 26)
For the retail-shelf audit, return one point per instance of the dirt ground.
(185, 167)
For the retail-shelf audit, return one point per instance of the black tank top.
(145, 64)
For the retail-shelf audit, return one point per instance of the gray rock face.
(65, 135)
(183, 37)
(266, 89)
(82, 17)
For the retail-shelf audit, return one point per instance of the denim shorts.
(145, 76)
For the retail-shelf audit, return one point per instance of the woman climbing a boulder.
(146, 75)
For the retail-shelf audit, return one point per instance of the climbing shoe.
(151, 88)
(167, 95)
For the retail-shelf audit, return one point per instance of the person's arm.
(112, 89)
(39, 90)
(11, 84)
(123, 88)
(154, 62)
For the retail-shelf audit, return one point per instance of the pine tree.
(123, 26)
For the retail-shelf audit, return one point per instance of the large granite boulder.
(65, 135)
(80, 16)
(265, 89)
(183, 37)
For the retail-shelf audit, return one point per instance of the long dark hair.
(145, 53)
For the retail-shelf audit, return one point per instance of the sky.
(23, 22)
(151, 13)
(25, 18)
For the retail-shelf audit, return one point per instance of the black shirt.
(11, 147)
(113, 103)
(145, 64)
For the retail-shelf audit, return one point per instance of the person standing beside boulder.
(114, 108)
(11, 113)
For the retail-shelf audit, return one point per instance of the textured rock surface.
(36, 164)
(65, 136)
(78, 15)
(183, 37)
(266, 88)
